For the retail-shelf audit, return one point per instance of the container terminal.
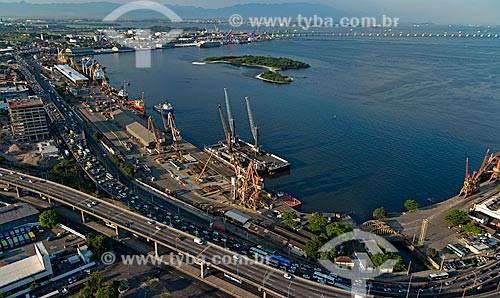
(235, 149)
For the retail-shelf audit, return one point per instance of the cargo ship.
(208, 44)
(289, 200)
(163, 108)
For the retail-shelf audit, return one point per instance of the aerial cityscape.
(246, 149)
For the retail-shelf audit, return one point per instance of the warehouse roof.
(72, 74)
(238, 216)
(15, 212)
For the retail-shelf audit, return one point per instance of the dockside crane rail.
(254, 128)
(230, 118)
(227, 135)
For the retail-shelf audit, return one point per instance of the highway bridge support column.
(156, 248)
(17, 192)
(116, 231)
(264, 294)
(83, 217)
(202, 270)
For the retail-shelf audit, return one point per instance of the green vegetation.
(473, 229)
(64, 171)
(98, 135)
(381, 258)
(272, 63)
(290, 219)
(312, 247)
(336, 229)
(431, 252)
(280, 63)
(125, 168)
(379, 213)
(96, 288)
(275, 77)
(48, 219)
(317, 222)
(328, 255)
(456, 218)
(34, 285)
(98, 245)
(411, 205)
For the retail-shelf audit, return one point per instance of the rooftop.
(29, 102)
(14, 212)
(25, 268)
(70, 73)
(238, 216)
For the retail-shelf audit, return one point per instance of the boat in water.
(289, 200)
(208, 44)
(164, 108)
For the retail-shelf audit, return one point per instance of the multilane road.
(249, 271)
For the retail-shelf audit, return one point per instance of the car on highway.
(159, 228)
(287, 276)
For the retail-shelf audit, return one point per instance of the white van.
(199, 241)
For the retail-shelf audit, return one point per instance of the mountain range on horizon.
(98, 10)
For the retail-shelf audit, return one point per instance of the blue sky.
(438, 11)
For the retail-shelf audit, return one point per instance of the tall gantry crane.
(247, 185)
(490, 165)
(230, 118)
(254, 128)
(157, 135)
(176, 136)
(227, 134)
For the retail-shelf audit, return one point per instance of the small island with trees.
(272, 64)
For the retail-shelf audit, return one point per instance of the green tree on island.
(48, 219)
(290, 219)
(379, 213)
(317, 222)
(411, 205)
(456, 217)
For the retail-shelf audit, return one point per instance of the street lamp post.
(418, 293)
(463, 294)
(288, 294)
(409, 287)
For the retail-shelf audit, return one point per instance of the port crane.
(61, 59)
(204, 167)
(176, 135)
(254, 128)
(230, 118)
(157, 135)
(247, 185)
(226, 132)
(490, 165)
